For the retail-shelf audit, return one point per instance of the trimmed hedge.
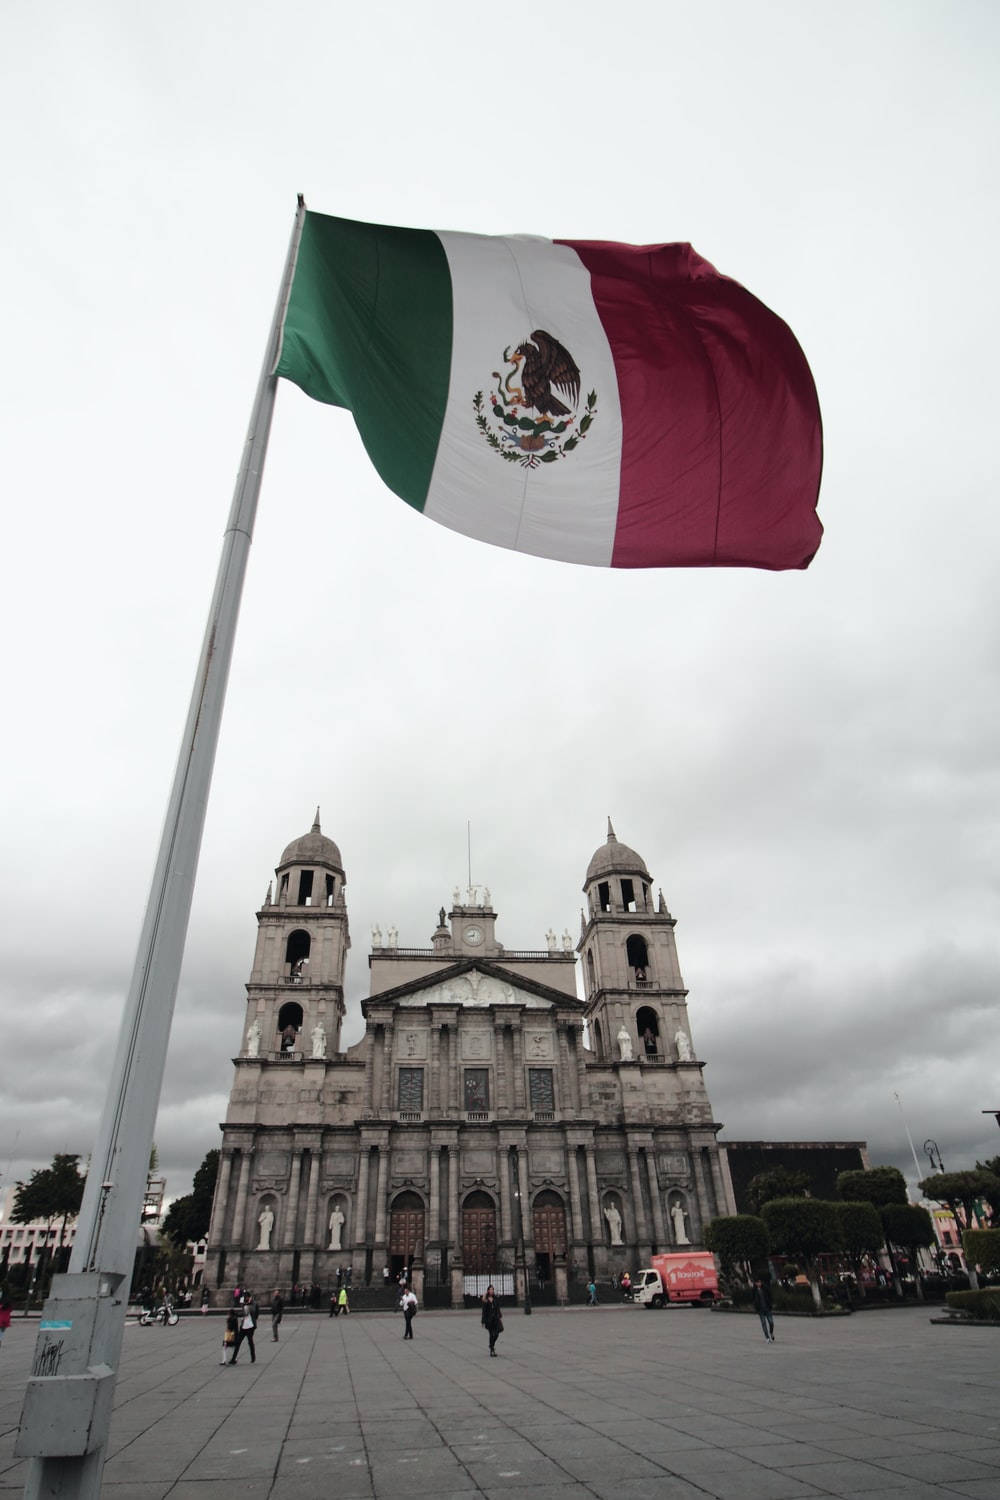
(983, 1305)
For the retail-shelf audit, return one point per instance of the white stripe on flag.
(503, 289)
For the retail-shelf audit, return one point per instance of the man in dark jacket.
(277, 1312)
(247, 1315)
(762, 1302)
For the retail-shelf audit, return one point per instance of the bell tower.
(295, 995)
(632, 979)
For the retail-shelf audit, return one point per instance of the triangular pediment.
(475, 986)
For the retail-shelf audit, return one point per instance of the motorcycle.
(162, 1315)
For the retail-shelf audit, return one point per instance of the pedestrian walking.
(247, 1315)
(626, 1286)
(277, 1312)
(591, 1293)
(229, 1337)
(762, 1302)
(334, 1309)
(492, 1319)
(204, 1300)
(5, 1311)
(409, 1306)
(343, 1306)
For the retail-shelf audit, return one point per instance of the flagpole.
(67, 1407)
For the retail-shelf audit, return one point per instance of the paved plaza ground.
(615, 1403)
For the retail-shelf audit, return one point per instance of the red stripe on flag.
(721, 433)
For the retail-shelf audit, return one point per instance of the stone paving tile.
(977, 1489)
(945, 1468)
(844, 1477)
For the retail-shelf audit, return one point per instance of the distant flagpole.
(67, 1450)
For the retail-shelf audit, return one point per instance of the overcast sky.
(808, 761)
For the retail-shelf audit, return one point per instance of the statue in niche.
(679, 1223)
(337, 1221)
(683, 1044)
(266, 1221)
(614, 1219)
(624, 1045)
(318, 1040)
(297, 967)
(253, 1039)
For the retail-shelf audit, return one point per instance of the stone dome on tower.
(313, 848)
(613, 858)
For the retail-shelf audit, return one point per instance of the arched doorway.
(548, 1222)
(406, 1231)
(479, 1235)
(647, 1028)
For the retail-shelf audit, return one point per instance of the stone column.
(435, 1104)
(503, 1173)
(361, 1207)
(294, 1179)
(310, 1234)
(370, 1072)
(387, 1101)
(527, 1223)
(221, 1203)
(502, 1102)
(380, 1203)
(565, 1070)
(575, 1209)
(240, 1212)
(454, 1238)
(435, 1208)
(517, 1093)
(638, 1207)
(659, 1224)
(454, 1082)
(596, 1222)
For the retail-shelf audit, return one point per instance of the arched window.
(647, 1025)
(637, 955)
(297, 954)
(289, 1025)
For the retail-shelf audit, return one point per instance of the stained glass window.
(477, 1088)
(540, 1089)
(411, 1089)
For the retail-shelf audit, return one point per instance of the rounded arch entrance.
(406, 1231)
(479, 1234)
(548, 1223)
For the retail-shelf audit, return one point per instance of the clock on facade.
(473, 934)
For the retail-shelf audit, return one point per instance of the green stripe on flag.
(369, 327)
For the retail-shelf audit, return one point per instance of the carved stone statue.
(441, 921)
(318, 1040)
(393, 936)
(614, 1219)
(266, 1221)
(551, 939)
(567, 940)
(253, 1039)
(337, 1222)
(486, 896)
(624, 1045)
(679, 1223)
(376, 936)
(683, 1044)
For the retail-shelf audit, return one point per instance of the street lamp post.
(934, 1156)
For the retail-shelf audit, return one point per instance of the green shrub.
(984, 1304)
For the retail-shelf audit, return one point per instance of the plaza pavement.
(615, 1403)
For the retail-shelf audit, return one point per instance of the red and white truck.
(685, 1276)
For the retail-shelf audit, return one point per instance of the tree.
(860, 1232)
(982, 1249)
(960, 1192)
(992, 1195)
(877, 1185)
(909, 1227)
(740, 1241)
(804, 1229)
(53, 1192)
(188, 1218)
(780, 1182)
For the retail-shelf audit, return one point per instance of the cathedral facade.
(490, 1123)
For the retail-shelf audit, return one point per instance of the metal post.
(67, 1409)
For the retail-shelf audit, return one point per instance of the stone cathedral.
(490, 1123)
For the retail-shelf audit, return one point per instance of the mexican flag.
(618, 405)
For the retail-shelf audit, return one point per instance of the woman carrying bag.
(492, 1319)
(229, 1338)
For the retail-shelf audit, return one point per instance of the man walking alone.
(762, 1302)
